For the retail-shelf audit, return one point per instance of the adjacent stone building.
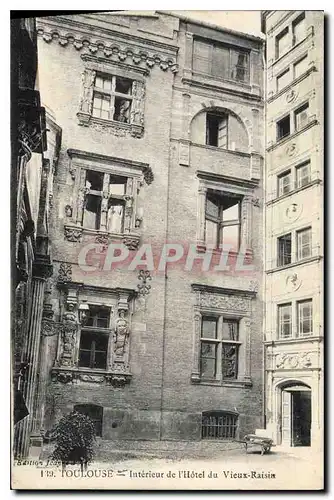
(293, 335)
(161, 122)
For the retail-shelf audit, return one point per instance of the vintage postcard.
(167, 249)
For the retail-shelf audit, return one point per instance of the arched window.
(94, 412)
(219, 424)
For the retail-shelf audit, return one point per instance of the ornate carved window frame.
(66, 367)
(232, 304)
(94, 66)
(135, 172)
(207, 182)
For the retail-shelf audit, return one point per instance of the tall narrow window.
(283, 127)
(283, 80)
(301, 116)
(284, 250)
(304, 243)
(216, 130)
(92, 211)
(116, 205)
(239, 66)
(209, 347)
(305, 320)
(94, 338)
(300, 67)
(303, 174)
(222, 220)
(230, 348)
(299, 29)
(284, 183)
(285, 321)
(282, 42)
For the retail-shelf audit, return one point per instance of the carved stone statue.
(121, 334)
(88, 79)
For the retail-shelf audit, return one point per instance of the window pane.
(230, 236)
(222, 133)
(283, 80)
(284, 250)
(299, 30)
(99, 82)
(229, 361)
(230, 329)
(115, 216)
(284, 183)
(122, 110)
(231, 213)
(282, 43)
(211, 232)
(92, 211)
(94, 180)
(285, 321)
(117, 185)
(220, 64)
(212, 207)
(304, 244)
(301, 117)
(303, 174)
(202, 57)
(239, 66)
(209, 328)
(283, 128)
(300, 67)
(123, 85)
(305, 322)
(208, 360)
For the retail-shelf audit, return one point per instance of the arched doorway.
(295, 414)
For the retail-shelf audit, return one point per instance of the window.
(284, 250)
(283, 127)
(304, 243)
(284, 183)
(285, 321)
(112, 98)
(301, 116)
(222, 220)
(113, 196)
(283, 79)
(216, 130)
(304, 314)
(221, 61)
(219, 425)
(282, 42)
(303, 174)
(94, 412)
(300, 67)
(94, 338)
(219, 348)
(299, 29)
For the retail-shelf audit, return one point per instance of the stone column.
(246, 226)
(201, 215)
(41, 270)
(195, 374)
(247, 340)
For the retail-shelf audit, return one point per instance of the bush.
(74, 436)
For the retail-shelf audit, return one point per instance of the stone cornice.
(111, 44)
(222, 291)
(209, 176)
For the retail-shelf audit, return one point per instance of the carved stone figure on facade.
(88, 79)
(121, 334)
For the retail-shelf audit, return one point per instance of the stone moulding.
(76, 375)
(124, 52)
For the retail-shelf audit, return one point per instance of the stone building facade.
(156, 135)
(294, 227)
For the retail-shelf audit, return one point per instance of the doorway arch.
(294, 413)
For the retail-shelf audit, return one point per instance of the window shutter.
(222, 133)
(202, 57)
(220, 62)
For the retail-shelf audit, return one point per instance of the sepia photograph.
(167, 244)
